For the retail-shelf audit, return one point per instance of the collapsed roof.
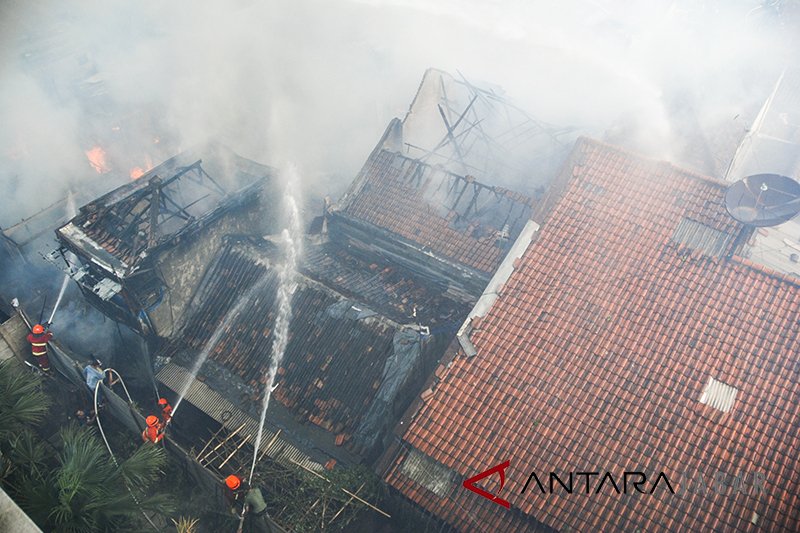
(121, 229)
(360, 334)
(448, 189)
(460, 220)
(629, 336)
(473, 129)
(129, 248)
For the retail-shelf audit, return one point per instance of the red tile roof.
(595, 356)
(453, 216)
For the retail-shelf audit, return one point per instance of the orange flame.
(138, 172)
(97, 158)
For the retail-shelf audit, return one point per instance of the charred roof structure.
(362, 335)
(383, 284)
(139, 251)
(630, 335)
(472, 129)
(439, 192)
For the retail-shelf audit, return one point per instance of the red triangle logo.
(501, 469)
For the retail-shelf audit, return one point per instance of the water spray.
(215, 337)
(60, 296)
(292, 238)
(72, 210)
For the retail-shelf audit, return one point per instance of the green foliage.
(85, 491)
(26, 449)
(186, 525)
(22, 401)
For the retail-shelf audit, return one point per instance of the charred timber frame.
(128, 306)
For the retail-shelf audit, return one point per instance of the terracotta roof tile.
(606, 334)
(450, 215)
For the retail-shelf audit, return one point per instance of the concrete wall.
(13, 343)
(183, 266)
(12, 518)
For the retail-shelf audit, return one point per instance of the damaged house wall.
(146, 243)
(182, 267)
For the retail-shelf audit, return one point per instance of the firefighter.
(39, 338)
(256, 509)
(154, 432)
(166, 410)
(251, 501)
(234, 492)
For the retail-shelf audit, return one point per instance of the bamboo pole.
(343, 490)
(225, 440)
(214, 436)
(345, 505)
(268, 446)
(244, 441)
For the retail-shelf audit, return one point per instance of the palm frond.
(186, 524)
(142, 468)
(22, 401)
(25, 448)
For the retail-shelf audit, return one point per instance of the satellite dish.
(763, 200)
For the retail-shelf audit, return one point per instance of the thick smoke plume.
(316, 82)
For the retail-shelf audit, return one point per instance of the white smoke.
(316, 81)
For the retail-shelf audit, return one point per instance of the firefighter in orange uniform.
(166, 410)
(154, 432)
(39, 339)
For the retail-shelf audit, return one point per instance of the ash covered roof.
(349, 356)
(628, 337)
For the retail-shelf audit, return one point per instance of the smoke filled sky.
(316, 82)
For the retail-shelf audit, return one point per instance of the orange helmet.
(151, 420)
(38, 329)
(233, 482)
(162, 401)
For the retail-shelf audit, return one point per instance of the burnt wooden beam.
(155, 207)
(452, 137)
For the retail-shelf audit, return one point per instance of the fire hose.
(105, 440)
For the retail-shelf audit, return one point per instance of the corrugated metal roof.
(701, 237)
(211, 403)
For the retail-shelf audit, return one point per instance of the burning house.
(448, 189)
(138, 252)
(383, 283)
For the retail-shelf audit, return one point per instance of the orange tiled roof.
(453, 216)
(595, 356)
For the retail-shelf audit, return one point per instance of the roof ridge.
(768, 271)
(586, 140)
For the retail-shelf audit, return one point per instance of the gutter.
(492, 291)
